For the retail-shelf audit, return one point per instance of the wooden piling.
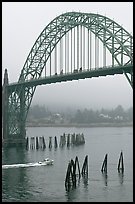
(27, 143)
(61, 144)
(40, 142)
(55, 142)
(82, 139)
(73, 139)
(68, 140)
(77, 139)
(64, 139)
(70, 175)
(50, 142)
(85, 166)
(121, 163)
(44, 145)
(104, 165)
(67, 180)
(73, 173)
(77, 164)
(32, 142)
(37, 145)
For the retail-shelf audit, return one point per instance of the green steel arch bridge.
(73, 46)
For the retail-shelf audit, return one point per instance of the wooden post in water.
(27, 143)
(68, 140)
(64, 138)
(73, 171)
(50, 142)
(85, 166)
(77, 164)
(82, 139)
(40, 142)
(70, 175)
(44, 145)
(61, 145)
(77, 139)
(32, 142)
(73, 139)
(37, 145)
(104, 165)
(67, 180)
(121, 163)
(55, 142)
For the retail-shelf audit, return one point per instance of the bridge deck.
(75, 76)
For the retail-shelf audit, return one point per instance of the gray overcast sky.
(22, 22)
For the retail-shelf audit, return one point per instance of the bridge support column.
(5, 107)
(9, 139)
(22, 114)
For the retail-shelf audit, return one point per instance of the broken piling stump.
(104, 165)
(85, 167)
(121, 163)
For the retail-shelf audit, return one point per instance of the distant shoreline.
(82, 125)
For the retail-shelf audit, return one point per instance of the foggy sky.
(22, 23)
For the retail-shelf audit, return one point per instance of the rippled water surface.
(46, 183)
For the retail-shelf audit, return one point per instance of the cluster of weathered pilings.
(65, 139)
(71, 175)
(72, 139)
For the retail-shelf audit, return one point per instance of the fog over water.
(22, 23)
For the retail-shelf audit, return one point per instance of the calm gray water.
(46, 183)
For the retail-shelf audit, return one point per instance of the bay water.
(47, 183)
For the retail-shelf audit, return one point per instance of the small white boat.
(46, 161)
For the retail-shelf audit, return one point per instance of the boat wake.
(42, 163)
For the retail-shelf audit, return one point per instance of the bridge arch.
(113, 36)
